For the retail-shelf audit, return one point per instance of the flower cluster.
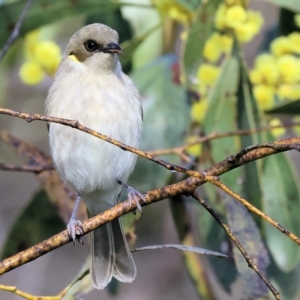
(232, 20)
(276, 75)
(173, 10)
(42, 57)
(232, 16)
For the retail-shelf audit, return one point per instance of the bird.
(90, 87)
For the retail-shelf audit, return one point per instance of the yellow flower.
(30, 41)
(233, 2)
(198, 110)
(194, 150)
(288, 66)
(280, 46)
(264, 58)
(294, 39)
(208, 74)
(48, 55)
(264, 96)
(284, 91)
(245, 32)
(226, 43)
(256, 20)
(235, 16)
(31, 73)
(255, 76)
(174, 10)
(297, 20)
(212, 48)
(277, 132)
(220, 17)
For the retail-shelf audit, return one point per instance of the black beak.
(112, 48)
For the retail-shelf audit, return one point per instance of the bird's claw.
(75, 230)
(134, 196)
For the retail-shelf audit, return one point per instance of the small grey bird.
(90, 87)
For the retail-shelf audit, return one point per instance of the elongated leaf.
(46, 11)
(289, 4)
(246, 231)
(221, 116)
(248, 118)
(281, 202)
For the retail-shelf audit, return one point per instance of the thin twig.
(255, 210)
(234, 239)
(214, 135)
(16, 30)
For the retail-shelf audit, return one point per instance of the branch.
(25, 168)
(16, 30)
(215, 135)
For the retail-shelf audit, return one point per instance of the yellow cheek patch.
(74, 58)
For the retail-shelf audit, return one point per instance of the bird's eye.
(90, 45)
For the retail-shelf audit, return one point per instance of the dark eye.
(90, 45)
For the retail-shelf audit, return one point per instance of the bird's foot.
(75, 230)
(133, 195)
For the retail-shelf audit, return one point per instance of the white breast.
(108, 104)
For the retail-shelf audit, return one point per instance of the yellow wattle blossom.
(235, 16)
(295, 92)
(256, 20)
(220, 17)
(48, 55)
(208, 74)
(264, 58)
(245, 32)
(193, 150)
(42, 56)
(233, 2)
(280, 46)
(255, 76)
(212, 48)
(31, 73)
(277, 132)
(284, 91)
(264, 95)
(294, 39)
(226, 43)
(288, 66)
(174, 10)
(198, 110)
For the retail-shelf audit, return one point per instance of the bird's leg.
(74, 227)
(133, 195)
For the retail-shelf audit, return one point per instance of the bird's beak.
(113, 48)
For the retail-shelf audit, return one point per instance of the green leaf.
(286, 107)
(198, 34)
(221, 117)
(43, 12)
(189, 4)
(38, 221)
(289, 4)
(166, 117)
(246, 231)
(281, 202)
(248, 118)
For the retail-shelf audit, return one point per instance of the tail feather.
(125, 269)
(110, 255)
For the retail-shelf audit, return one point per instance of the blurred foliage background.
(201, 67)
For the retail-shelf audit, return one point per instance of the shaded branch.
(25, 168)
(234, 239)
(16, 31)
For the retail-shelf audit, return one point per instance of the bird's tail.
(110, 255)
